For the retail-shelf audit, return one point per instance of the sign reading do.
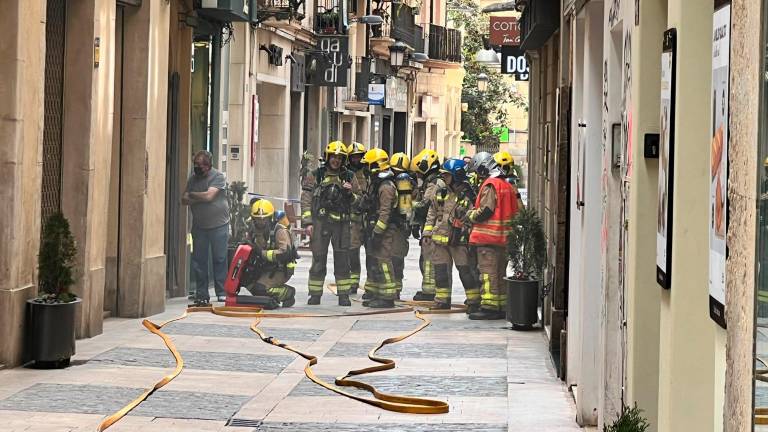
(513, 62)
(504, 31)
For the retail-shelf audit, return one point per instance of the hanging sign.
(666, 161)
(718, 180)
(504, 30)
(513, 62)
(376, 94)
(330, 68)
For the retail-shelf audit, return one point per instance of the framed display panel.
(718, 181)
(666, 160)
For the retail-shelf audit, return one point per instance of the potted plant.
(329, 22)
(629, 420)
(528, 256)
(52, 313)
(239, 213)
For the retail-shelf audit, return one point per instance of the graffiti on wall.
(613, 13)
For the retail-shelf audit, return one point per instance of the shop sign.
(397, 95)
(330, 69)
(298, 74)
(666, 161)
(504, 30)
(718, 180)
(376, 94)
(513, 62)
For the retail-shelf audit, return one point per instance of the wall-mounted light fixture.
(482, 83)
(274, 54)
(397, 54)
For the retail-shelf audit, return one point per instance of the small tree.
(239, 212)
(56, 261)
(629, 420)
(527, 246)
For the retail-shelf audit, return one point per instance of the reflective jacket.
(324, 198)
(495, 207)
(448, 208)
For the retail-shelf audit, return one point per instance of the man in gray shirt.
(207, 198)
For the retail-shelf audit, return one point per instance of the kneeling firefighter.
(449, 234)
(399, 163)
(355, 153)
(326, 199)
(273, 255)
(426, 166)
(491, 220)
(384, 229)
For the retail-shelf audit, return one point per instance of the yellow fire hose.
(385, 401)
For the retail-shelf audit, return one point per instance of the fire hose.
(389, 402)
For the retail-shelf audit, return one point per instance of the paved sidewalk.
(493, 378)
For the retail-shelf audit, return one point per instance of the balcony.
(328, 18)
(444, 44)
(399, 25)
(280, 10)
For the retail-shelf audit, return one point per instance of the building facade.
(626, 97)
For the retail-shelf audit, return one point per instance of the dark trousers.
(211, 242)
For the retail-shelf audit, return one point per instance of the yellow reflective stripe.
(381, 225)
(498, 222)
(306, 214)
(440, 238)
(385, 269)
(334, 216)
(270, 255)
(491, 230)
(428, 227)
(291, 265)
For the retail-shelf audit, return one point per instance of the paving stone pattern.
(426, 350)
(203, 360)
(415, 385)
(241, 331)
(380, 427)
(437, 324)
(90, 399)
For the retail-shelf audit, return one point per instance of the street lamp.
(397, 53)
(482, 82)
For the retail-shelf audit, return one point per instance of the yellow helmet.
(376, 159)
(505, 161)
(335, 148)
(262, 209)
(400, 162)
(425, 161)
(355, 148)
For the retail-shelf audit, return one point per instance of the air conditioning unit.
(227, 10)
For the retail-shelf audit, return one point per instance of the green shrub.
(56, 261)
(629, 420)
(527, 246)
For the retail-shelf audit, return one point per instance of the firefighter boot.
(380, 304)
(472, 308)
(344, 300)
(313, 300)
(422, 296)
(487, 314)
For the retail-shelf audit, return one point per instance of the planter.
(52, 333)
(522, 302)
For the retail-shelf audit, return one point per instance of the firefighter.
(384, 227)
(400, 163)
(491, 223)
(425, 165)
(355, 153)
(327, 197)
(447, 232)
(474, 179)
(506, 163)
(276, 254)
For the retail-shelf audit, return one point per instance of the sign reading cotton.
(504, 31)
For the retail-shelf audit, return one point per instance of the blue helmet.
(456, 168)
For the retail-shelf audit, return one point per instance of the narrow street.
(494, 378)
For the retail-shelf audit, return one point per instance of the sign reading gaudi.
(331, 68)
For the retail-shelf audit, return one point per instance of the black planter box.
(522, 302)
(52, 333)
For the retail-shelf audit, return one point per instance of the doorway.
(400, 132)
(386, 134)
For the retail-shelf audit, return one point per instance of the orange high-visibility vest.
(495, 230)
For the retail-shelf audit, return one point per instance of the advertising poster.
(718, 181)
(376, 94)
(666, 162)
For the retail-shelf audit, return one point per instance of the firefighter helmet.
(505, 161)
(483, 163)
(355, 148)
(262, 209)
(335, 148)
(376, 159)
(456, 168)
(425, 161)
(400, 162)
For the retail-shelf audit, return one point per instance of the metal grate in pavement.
(236, 422)
(416, 385)
(241, 331)
(424, 350)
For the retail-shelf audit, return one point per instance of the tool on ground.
(245, 266)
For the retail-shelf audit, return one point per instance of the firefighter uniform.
(492, 221)
(328, 205)
(426, 164)
(383, 221)
(279, 254)
(448, 236)
(359, 189)
(399, 164)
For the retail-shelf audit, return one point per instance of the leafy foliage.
(629, 420)
(487, 109)
(527, 246)
(239, 212)
(55, 263)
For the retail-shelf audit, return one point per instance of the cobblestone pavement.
(493, 378)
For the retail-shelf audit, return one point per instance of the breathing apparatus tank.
(404, 194)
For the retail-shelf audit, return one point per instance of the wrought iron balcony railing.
(328, 17)
(280, 9)
(444, 44)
